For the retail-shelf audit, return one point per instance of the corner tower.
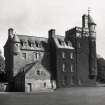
(84, 41)
(92, 48)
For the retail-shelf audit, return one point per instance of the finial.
(89, 10)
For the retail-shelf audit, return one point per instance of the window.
(24, 55)
(16, 44)
(64, 82)
(21, 43)
(44, 84)
(78, 35)
(29, 87)
(63, 54)
(29, 42)
(36, 43)
(79, 45)
(71, 80)
(72, 68)
(37, 55)
(71, 55)
(38, 72)
(63, 67)
(69, 43)
(79, 82)
(61, 42)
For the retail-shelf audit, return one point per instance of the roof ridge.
(31, 36)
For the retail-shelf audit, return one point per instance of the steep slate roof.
(43, 42)
(32, 38)
(16, 38)
(90, 20)
(61, 43)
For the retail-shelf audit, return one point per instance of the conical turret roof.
(90, 20)
(16, 39)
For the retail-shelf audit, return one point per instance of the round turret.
(91, 24)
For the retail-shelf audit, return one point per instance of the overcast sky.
(36, 17)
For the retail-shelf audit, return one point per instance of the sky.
(36, 17)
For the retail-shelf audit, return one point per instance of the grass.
(68, 96)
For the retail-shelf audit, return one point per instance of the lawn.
(68, 96)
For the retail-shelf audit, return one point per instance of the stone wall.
(65, 68)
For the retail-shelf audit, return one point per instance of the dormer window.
(21, 43)
(69, 43)
(38, 44)
(29, 42)
(61, 42)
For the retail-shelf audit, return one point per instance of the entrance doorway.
(29, 87)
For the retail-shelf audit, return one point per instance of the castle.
(36, 63)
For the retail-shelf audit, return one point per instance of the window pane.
(71, 55)
(63, 67)
(63, 55)
(72, 68)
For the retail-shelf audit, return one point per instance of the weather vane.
(89, 10)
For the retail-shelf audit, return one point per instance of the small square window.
(24, 55)
(38, 72)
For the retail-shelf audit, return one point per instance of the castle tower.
(92, 48)
(14, 40)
